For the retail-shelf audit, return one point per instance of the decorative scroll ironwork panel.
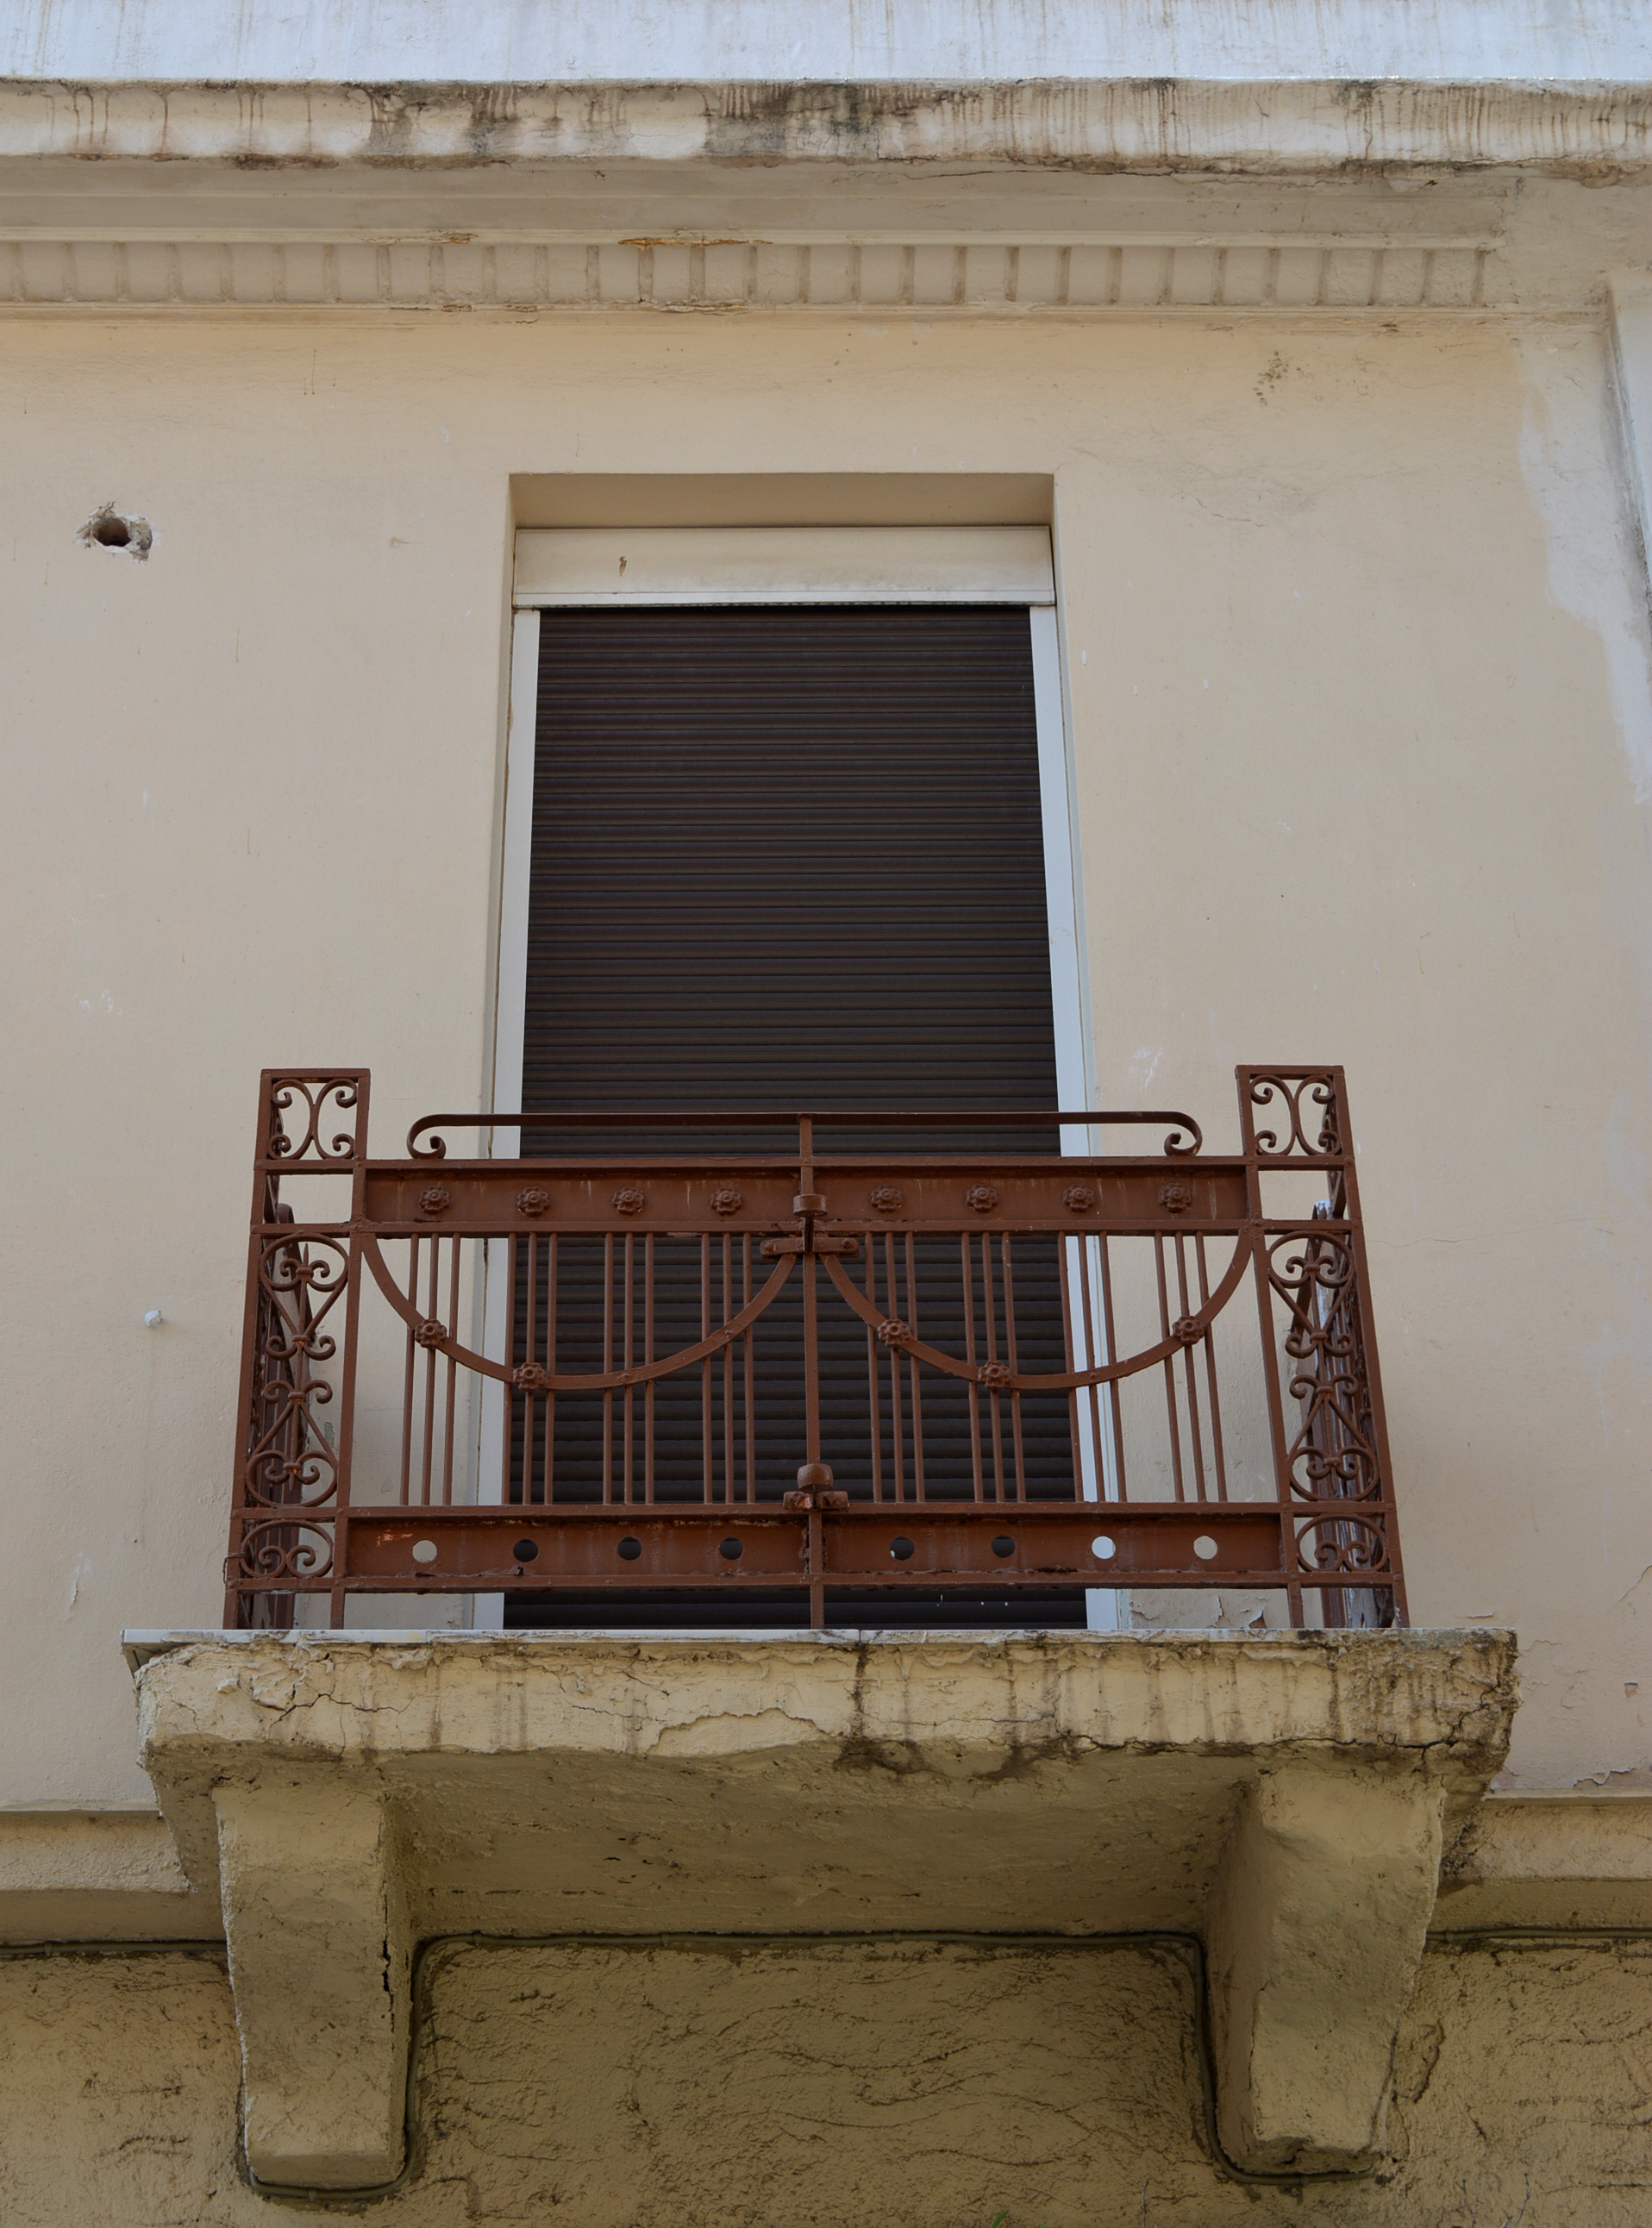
(818, 1378)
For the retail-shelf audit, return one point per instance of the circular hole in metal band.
(902, 1549)
(424, 1551)
(525, 1551)
(1103, 1549)
(1002, 1545)
(630, 1549)
(1204, 1547)
(730, 1550)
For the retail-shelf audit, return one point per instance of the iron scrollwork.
(290, 1462)
(317, 1095)
(1333, 1455)
(1296, 1095)
(277, 1552)
(633, 1333)
(1351, 1545)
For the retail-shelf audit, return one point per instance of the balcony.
(750, 1373)
(827, 1380)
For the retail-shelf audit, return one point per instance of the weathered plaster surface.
(1580, 1860)
(1281, 1795)
(318, 1957)
(1587, 130)
(1575, 1861)
(1050, 1781)
(1315, 1936)
(806, 2086)
(83, 1876)
(823, 39)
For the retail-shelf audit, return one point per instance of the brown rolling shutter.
(790, 858)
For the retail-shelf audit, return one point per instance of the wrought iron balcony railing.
(833, 1383)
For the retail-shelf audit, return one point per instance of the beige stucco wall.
(1356, 651)
(937, 2084)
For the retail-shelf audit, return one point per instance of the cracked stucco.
(808, 2086)
(1062, 1782)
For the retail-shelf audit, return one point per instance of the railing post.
(290, 1480)
(1332, 1471)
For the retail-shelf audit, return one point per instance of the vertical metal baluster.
(1169, 1367)
(1217, 1455)
(428, 1451)
(627, 1320)
(407, 1389)
(647, 1356)
(811, 1364)
(873, 1391)
(548, 1489)
(751, 1373)
(1075, 1433)
(897, 1418)
(452, 1379)
(339, 1589)
(707, 1487)
(994, 1414)
(972, 1390)
(1114, 1403)
(915, 1385)
(607, 1366)
(507, 1390)
(728, 1372)
(815, 1549)
(527, 1493)
(1087, 1305)
(1017, 1449)
(1190, 1373)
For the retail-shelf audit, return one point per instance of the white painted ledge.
(783, 565)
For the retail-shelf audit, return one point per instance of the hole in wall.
(109, 529)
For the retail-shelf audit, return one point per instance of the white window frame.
(594, 567)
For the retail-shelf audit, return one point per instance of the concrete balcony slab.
(1285, 1797)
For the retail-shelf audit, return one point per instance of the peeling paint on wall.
(1569, 444)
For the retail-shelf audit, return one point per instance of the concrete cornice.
(1590, 128)
(1071, 195)
(829, 275)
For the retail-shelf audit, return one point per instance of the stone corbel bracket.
(1286, 1798)
(1316, 1932)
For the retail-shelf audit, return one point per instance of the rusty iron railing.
(810, 1377)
